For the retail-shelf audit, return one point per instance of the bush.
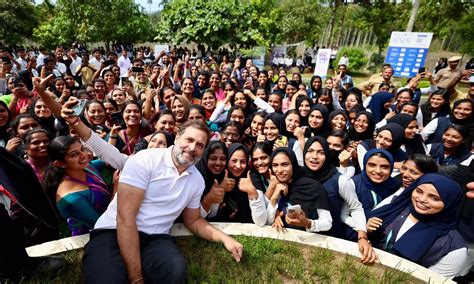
(376, 61)
(357, 58)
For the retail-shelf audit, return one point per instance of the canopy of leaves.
(94, 21)
(216, 22)
(18, 20)
(465, 31)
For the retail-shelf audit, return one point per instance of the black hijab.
(306, 192)
(236, 202)
(412, 146)
(299, 101)
(335, 113)
(327, 170)
(367, 134)
(203, 168)
(322, 131)
(469, 121)
(279, 120)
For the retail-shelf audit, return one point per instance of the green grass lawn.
(265, 260)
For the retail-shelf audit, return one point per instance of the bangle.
(113, 137)
(137, 280)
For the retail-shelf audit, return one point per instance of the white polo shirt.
(167, 193)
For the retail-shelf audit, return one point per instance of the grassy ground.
(265, 260)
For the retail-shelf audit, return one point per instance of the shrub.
(357, 58)
(376, 61)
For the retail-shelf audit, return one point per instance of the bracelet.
(76, 122)
(363, 238)
(137, 280)
(113, 137)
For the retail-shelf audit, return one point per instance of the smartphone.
(108, 62)
(293, 209)
(117, 118)
(421, 70)
(281, 141)
(79, 107)
(138, 69)
(122, 81)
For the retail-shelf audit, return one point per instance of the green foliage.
(18, 20)
(375, 62)
(465, 31)
(217, 22)
(300, 20)
(357, 58)
(94, 21)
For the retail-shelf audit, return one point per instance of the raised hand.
(227, 183)
(215, 195)
(246, 185)
(41, 84)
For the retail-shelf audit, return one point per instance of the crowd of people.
(123, 145)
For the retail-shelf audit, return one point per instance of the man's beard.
(178, 153)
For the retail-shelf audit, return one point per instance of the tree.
(18, 20)
(300, 20)
(95, 21)
(216, 22)
(464, 30)
(414, 11)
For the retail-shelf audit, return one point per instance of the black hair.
(199, 108)
(264, 146)
(463, 130)
(338, 133)
(230, 124)
(426, 164)
(16, 121)
(29, 135)
(57, 150)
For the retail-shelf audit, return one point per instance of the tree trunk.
(450, 40)
(414, 11)
(341, 24)
(359, 35)
(366, 33)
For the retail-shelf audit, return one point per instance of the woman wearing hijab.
(298, 201)
(236, 206)
(461, 114)
(338, 120)
(318, 122)
(317, 167)
(273, 130)
(453, 150)
(212, 167)
(374, 184)
(420, 225)
(380, 104)
(303, 106)
(362, 128)
(390, 138)
(412, 141)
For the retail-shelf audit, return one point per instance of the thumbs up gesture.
(227, 183)
(215, 195)
(246, 185)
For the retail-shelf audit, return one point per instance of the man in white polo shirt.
(131, 241)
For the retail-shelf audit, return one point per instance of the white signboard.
(322, 62)
(160, 47)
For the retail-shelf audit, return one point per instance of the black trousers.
(160, 259)
(13, 255)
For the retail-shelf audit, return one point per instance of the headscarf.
(370, 193)
(203, 168)
(323, 130)
(326, 170)
(306, 192)
(235, 196)
(376, 104)
(4, 129)
(335, 113)
(412, 146)
(369, 133)
(299, 101)
(418, 240)
(278, 119)
(468, 122)
(398, 134)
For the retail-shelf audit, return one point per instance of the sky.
(143, 3)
